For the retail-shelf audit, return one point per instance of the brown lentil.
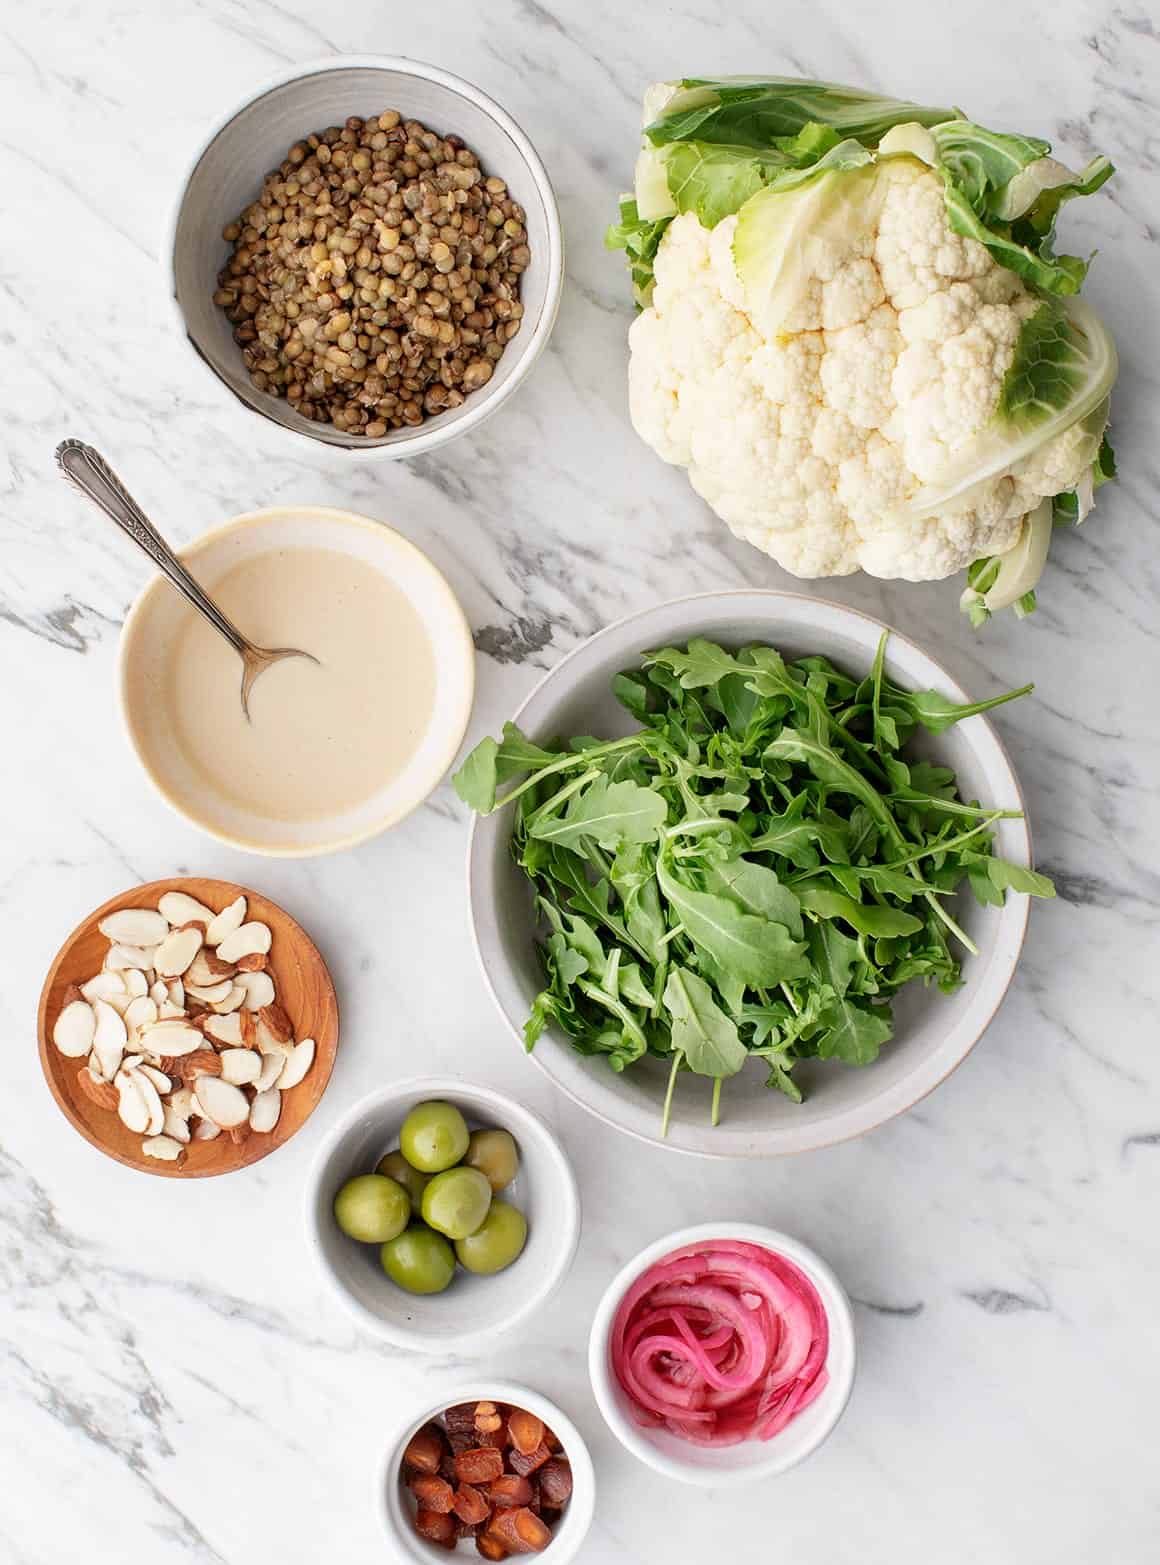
(375, 280)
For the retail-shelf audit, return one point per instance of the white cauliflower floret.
(811, 440)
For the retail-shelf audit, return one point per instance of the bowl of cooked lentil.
(368, 254)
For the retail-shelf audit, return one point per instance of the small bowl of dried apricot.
(495, 1470)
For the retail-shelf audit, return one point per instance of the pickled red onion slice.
(721, 1342)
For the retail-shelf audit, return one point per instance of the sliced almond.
(163, 1147)
(119, 957)
(160, 1080)
(174, 1126)
(132, 1109)
(74, 1028)
(152, 1101)
(173, 1038)
(266, 1041)
(226, 1029)
(177, 951)
(168, 1012)
(179, 908)
(202, 1062)
(224, 1104)
(180, 1101)
(240, 1067)
(136, 984)
(206, 970)
(264, 1111)
(271, 1073)
(256, 962)
(232, 1001)
(134, 926)
(245, 941)
(229, 919)
(104, 986)
(300, 1060)
(102, 1093)
(176, 991)
(277, 1021)
(211, 995)
(239, 1133)
(159, 993)
(141, 1012)
(249, 1029)
(259, 989)
(109, 1040)
(206, 1130)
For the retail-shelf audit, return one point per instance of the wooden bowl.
(304, 989)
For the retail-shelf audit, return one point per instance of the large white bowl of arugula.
(743, 841)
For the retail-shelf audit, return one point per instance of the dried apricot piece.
(521, 1531)
(432, 1493)
(460, 1419)
(436, 1527)
(490, 1546)
(510, 1490)
(488, 1419)
(469, 1505)
(555, 1483)
(480, 1464)
(425, 1449)
(519, 1463)
(525, 1430)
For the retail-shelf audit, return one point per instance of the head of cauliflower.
(813, 413)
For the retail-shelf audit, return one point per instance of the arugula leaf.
(754, 949)
(607, 812)
(1014, 877)
(707, 1038)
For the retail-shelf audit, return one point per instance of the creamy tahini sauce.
(323, 738)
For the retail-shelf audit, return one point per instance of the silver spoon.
(92, 475)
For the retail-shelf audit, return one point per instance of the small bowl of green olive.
(442, 1212)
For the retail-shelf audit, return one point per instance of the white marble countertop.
(177, 1384)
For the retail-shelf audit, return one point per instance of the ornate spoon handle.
(96, 480)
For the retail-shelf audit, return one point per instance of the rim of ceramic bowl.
(511, 1115)
(458, 644)
(879, 1107)
(529, 349)
(577, 1518)
(842, 1358)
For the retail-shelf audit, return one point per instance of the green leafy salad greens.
(755, 872)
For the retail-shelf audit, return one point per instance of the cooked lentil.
(375, 281)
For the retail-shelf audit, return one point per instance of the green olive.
(395, 1166)
(434, 1136)
(456, 1202)
(494, 1153)
(496, 1243)
(372, 1208)
(419, 1261)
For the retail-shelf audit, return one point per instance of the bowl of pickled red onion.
(723, 1353)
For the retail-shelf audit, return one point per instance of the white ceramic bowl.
(473, 1310)
(716, 1467)
(396, 1507)
(147, 637)
(934, 1032)
(227, 175)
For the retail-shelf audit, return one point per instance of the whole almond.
(102, 1093)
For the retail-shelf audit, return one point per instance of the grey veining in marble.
(175, 1384)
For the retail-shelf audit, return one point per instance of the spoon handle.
(92, 475)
